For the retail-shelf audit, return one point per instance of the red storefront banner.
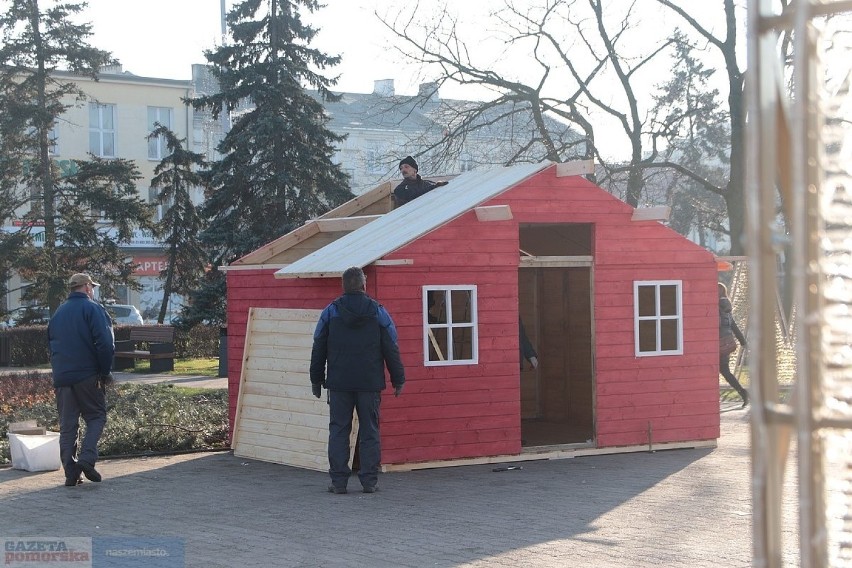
(149, 265)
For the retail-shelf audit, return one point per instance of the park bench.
(160, 340)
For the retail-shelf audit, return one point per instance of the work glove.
(397, 389)
(316, 388)
(106, 380)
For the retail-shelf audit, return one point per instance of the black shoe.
(370, 489)
(336, 489)
(73, 475)
(89, 471)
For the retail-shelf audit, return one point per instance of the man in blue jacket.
(81, 350)
(355, 337)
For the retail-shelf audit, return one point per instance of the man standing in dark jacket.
(355, 338)
(412, 186)
(81, 350)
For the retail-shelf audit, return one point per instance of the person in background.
(727, 344)
(412, 186)
(355, 338)
(81, 351)
(527, 350)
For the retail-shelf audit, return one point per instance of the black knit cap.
(410, 161)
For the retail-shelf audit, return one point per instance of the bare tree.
(732, 191)
(520, 113)
(595, 59)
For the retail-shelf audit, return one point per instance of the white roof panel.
(409, 222)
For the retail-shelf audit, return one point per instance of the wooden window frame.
(449, 325)
(657, 317)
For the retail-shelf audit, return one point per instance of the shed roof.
(409, 222)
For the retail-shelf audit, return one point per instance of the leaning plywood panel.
(278, 419)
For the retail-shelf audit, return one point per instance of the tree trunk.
(167, 285)
(45, 175)
(734, 194)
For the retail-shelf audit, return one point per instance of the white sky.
(163, 38)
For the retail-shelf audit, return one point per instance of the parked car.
(124, 314)
(30, 315)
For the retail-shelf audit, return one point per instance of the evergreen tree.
(277, 170)
(181, 224)
(86, 212)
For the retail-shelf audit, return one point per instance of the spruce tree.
(277, 170)
(176, 175)
(69, 205)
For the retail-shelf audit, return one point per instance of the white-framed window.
(102, 130)
(658, 317)
(373, 162)
(153, 197)
(53, 142)
(450, 331)
(466, 162)
(157, 149)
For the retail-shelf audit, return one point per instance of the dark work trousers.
(341, 404)
(86, 399)
(725, 370)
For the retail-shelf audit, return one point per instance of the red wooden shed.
(621, 309)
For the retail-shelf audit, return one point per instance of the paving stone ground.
(678, 508)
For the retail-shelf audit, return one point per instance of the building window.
(449, 325)
(162, 208)
(658, 317)
(102, 130)
(157, 149)
(374, 162)
(52, 143)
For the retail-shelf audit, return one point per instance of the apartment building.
(114, 123)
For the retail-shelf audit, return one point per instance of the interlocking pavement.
(677, 508)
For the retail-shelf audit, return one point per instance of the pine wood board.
(549, 453)
(277, 418)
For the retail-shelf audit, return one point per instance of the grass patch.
(140, 418)
(206, 367)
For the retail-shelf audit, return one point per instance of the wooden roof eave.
(311, 228)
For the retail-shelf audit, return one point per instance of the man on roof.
(412, 186)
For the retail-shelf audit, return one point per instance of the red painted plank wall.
(669, 398)
(459, 411)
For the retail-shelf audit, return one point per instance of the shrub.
(140, 418)
(197, 342)
(29, 345)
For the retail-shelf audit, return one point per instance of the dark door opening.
(557, 398)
